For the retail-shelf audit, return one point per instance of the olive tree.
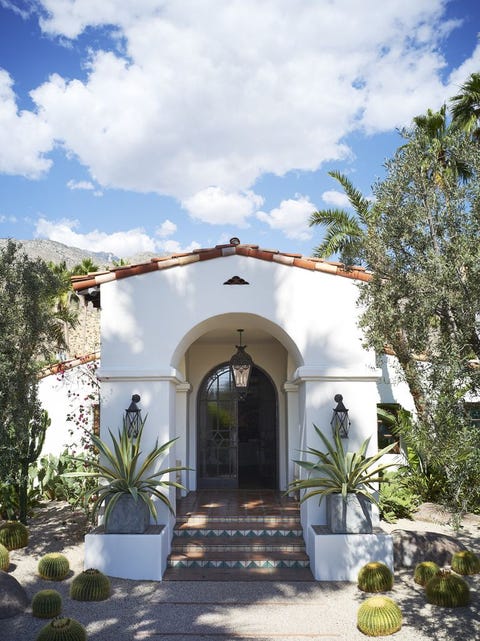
(29, 333)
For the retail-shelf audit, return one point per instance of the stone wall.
(85, 337)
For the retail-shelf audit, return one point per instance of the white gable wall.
(162, 332)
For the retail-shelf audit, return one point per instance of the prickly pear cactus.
(375, 577)
(465, 562)
(424, 571)
(448, 590)
(379, 616)
(13, 535)
(62, 629)
(4, 558)
(90, 585)
(53, 566)
(47, 604)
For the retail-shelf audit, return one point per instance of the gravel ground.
(221, 611)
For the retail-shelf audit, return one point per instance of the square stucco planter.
(339, 557)
(350, 516)
(129, 556)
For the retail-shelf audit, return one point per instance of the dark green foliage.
(90, 585)
(379, 616)
(30, 330)
(448, 590)
(47, 604)
(13, 535)
(62, 629)
(4, 558)
(375, 577)
(424, 571)
(396, 499)
(465, 562)
(54, 566)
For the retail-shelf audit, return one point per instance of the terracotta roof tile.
(252, 251)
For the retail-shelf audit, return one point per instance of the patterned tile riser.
(238, 564)
(250, 533)
(236, 548)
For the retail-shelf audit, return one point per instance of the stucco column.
(181, 422)
(293, 432)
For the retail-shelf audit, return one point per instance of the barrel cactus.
(379, 616)
(62, 629)
(448, 590)
(47, 604)
(375, 577)
(53, 566)
(13, 535)
(90, 585)
(424, 571)
(4, 558)
(465, 562)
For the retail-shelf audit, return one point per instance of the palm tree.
(345, 233)
(87, 266)
(465, 107)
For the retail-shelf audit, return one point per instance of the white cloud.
(217, 207)
(336, 198)
(174, 247)
(291, 218)
(81, 184)
(120, 243)
(202, 103)
(25, 137)
(167, 228)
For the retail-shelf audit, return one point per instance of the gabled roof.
(220, 251)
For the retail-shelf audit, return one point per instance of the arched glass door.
(237, 438)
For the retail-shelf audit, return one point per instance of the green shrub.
(90, 585)
(379, 616)
(47, 604)
(375, 577)
(4, 558)
(13, 535)
(448, 590)
(465, 562)
(54, 566)
(424, 571)
(62, 629)
(396, 499)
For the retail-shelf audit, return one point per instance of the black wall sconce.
(241, 365)
(133, 417)
(340, 422)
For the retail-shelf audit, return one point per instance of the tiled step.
(235, 559)
(238, 574)
(242, 529)
(186, 545)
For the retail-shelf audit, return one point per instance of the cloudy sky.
(166, 125)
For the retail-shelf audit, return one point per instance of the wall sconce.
(133, 417)
(241, 365)
(340, 422)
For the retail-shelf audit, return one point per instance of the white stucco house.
(168, 331)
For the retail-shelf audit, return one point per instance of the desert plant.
(4, 558)
(62, 629)
(424, 571)
(90, 585)
(47, 604)
(13, 535)
(396, 499)
(375, 577)
(465, 562)
(448, 590)
(339, 472)
(379, 616)
(53, 566)
(120, 472)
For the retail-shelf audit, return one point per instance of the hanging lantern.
(241, 365)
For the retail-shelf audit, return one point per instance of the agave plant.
(337, 471)
(123, 470)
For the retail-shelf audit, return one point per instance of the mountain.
(50, 250)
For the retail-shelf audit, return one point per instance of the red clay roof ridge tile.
(230, 249)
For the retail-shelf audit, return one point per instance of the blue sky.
(159, 125)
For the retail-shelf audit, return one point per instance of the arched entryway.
(237, 438)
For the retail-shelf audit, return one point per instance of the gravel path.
(236, 611)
